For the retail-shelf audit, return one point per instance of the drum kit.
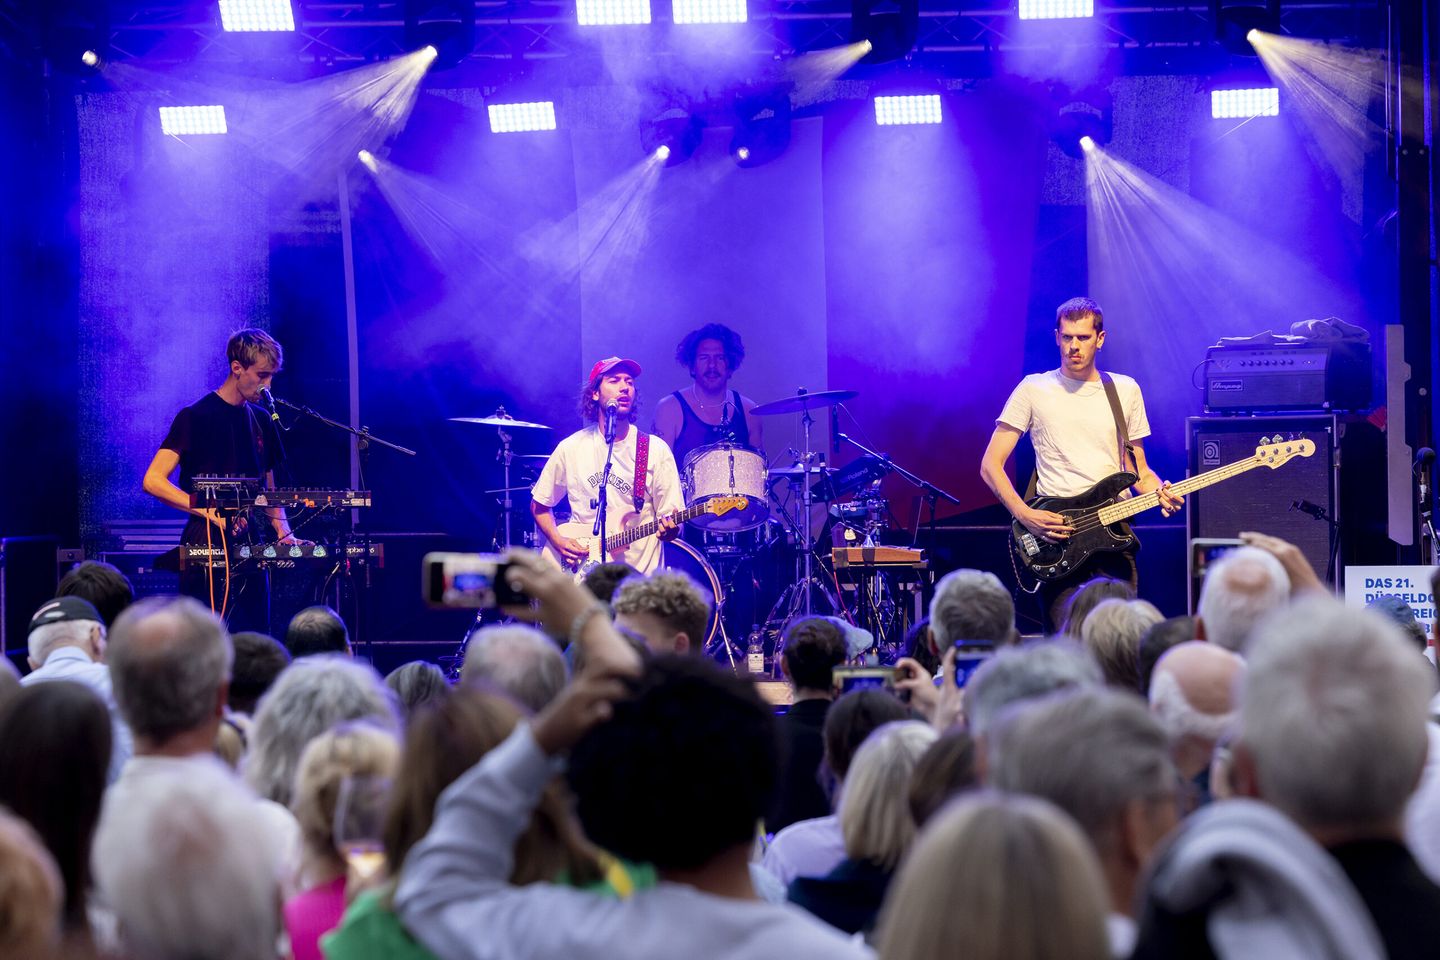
(736, 551)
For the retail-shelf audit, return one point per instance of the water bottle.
(755, 653)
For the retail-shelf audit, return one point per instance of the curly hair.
(730, 342)
(674, 598)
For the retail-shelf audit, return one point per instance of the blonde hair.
(355, 749)
(1112, 634)
(1002, 877)
(875, 816)
(674, 598)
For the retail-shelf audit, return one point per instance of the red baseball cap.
(611, 363)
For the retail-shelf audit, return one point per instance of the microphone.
(611, 409)
(1423, 458)
(1305, 506)
(270, 405)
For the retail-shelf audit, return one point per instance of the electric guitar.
(630, 532)
(1098, 515)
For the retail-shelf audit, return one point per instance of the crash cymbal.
(507, 422)
(804, 400)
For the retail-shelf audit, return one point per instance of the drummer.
(708, 411)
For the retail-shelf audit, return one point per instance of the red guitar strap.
(642, 462)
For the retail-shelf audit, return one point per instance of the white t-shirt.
(1072, 428)
(573, 473)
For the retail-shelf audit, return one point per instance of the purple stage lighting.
(891, 111)
(186, 121)
(709, 11)
(521, 117)
(1056, 9)
(593, 13)
(253, 16)
(1240, 104)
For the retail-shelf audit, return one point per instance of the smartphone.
(470, 580)
(864, 678)
(969, 655)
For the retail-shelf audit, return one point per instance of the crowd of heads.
(1077, 798)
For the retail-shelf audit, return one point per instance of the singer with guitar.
(229, 432)
(642, 487)
(1075, 416)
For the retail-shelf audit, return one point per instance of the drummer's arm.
(668, 420)
(753, 424)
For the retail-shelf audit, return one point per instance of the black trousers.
(1055, 595)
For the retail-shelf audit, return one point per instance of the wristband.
(582, 620)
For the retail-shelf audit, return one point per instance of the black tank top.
(695, 432)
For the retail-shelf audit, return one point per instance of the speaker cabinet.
(1264, 499)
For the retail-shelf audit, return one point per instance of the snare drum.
(677, 555)
(726, 470)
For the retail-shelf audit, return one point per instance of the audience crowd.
(1261, 780)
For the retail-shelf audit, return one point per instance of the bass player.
(1073, 426)
(643, 486)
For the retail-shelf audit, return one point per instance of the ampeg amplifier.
(1301, 376)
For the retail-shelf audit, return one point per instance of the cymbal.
(804, 400)
(508, 490)
(507, 422)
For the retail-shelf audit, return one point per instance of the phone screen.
(969, 655)
(468, 580)
(864, 678)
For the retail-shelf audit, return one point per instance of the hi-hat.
(500, 422)
(804, 400)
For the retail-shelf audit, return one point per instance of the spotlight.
(605, 13)
(1089, 114)
(1056, 9)
(1236, 26)
(897, 111)
(762, 127)
(1246, 103)
(1087, 144)
(90, 58)
(255, 16)
(890, 33)
(368, 159)
(521, 117)
(708, 11)
(672, 136)
(186, 121)
(445, 26)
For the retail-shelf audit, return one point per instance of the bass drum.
(679, 556)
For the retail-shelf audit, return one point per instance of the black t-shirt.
(215, 439)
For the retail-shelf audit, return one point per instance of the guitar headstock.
(1280, 452)
(719, 506)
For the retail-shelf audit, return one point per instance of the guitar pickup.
(1028, 544)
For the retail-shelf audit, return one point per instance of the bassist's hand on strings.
(1043, 523)
(1169, 502)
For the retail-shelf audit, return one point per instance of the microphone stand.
(932, 493)
(363, 439)
(1429, 554)
(602, 501)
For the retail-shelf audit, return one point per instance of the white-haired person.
(517, 660)
(360, 753)
(312, 695)
(182, 871)
(1194, 692)
(1240, 590)
(997, 877)
(1332, 741)
(878, 827)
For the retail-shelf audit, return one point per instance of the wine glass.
(359, 823)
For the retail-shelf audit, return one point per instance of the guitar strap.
(642, 462)
(1121, 434)
(1126, 449)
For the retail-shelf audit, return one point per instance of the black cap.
(61, 609)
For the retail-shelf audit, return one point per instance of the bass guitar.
(1098, 515)
(630, 532)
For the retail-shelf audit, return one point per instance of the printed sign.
(1363, 585)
